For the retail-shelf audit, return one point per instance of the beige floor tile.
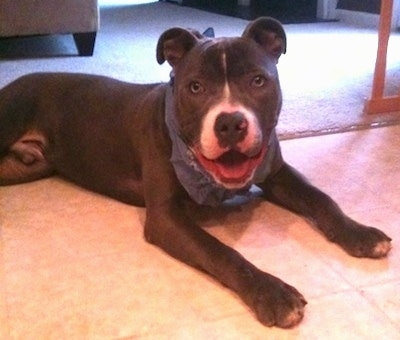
(76, 265)
(281, 247)
(4, 321)
(385, 296)
(359, 169)
(365, 272)
(345, 315)
(386, 184)
(62, 229)
(102, 297)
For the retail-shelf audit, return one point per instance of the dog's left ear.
(174, 43)
(269, 34)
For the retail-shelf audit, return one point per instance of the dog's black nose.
(230, 128)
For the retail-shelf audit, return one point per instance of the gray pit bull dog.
(206, 136)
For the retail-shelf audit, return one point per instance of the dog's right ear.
(174, 44)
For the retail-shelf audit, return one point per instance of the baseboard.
(358, 18)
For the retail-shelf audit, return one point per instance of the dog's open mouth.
(232, 168)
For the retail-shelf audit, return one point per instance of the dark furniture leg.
(85, 43)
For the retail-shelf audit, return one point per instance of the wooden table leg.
(378, 102)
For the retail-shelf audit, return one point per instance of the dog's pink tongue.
(233, 166)
(233, 174)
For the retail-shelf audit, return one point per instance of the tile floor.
(74, 265)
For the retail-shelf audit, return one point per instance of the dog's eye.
(195, 87)
(258, 81)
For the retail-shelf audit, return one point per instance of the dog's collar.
(197, 182)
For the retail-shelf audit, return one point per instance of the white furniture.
(41, 17)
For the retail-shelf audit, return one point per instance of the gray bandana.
(200, 186)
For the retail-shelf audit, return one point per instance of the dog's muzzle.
(231, 150)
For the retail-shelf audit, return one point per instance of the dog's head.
(227, 96)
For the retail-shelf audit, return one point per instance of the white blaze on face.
(227, 104)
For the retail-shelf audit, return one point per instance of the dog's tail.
(16, 111)
(21, 142)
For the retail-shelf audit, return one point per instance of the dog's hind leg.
(24, 161)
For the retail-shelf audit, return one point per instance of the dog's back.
(41, 113)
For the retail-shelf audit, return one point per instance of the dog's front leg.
(169, 227)
(289, 189)
(273, 301)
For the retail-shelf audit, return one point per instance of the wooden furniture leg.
(378, 103)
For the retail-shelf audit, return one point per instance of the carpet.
(326, 74)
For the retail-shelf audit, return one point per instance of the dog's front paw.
(276, 303)
(362, 241)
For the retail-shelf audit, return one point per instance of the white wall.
(326, 9)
